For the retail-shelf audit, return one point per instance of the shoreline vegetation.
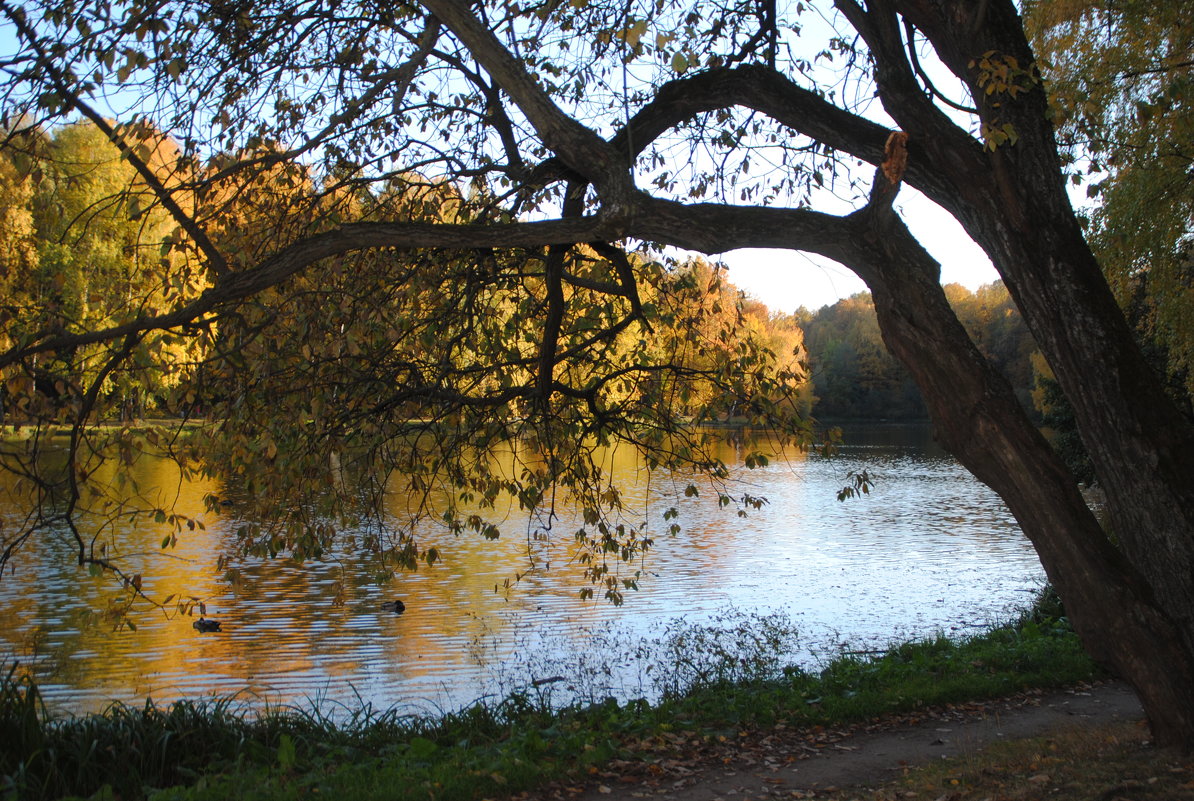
(214, 749)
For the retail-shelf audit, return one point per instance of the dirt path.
(779, 763)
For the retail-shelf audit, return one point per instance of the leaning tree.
(571, 131)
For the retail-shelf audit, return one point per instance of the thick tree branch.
(239, 285)
(627, 284)
(577, 146)
(716, 228)
(769, 92)
(574, 204)
(707, 227)
(880, 27)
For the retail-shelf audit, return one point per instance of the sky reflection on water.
(929, 550)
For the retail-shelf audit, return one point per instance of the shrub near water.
(215, 750)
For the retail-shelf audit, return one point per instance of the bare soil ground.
(816, 763)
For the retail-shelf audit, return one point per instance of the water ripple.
(929, 550)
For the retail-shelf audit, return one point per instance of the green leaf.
(422, 748)
(287, 753)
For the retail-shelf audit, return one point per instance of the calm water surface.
(929, 550)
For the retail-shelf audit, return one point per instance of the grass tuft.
(194, 750)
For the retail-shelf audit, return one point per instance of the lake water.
(929, 550)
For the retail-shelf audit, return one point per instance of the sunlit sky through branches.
(786, 280)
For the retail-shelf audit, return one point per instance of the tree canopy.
(1121, 90)
(407, 369)
(544, 157)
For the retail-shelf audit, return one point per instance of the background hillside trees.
(18, 245)
(854, 375)
(84, 243)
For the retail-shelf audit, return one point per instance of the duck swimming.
(203, 625)
(397, 607)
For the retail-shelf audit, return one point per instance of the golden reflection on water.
(294, 631)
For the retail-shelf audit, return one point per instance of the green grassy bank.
(210, 750)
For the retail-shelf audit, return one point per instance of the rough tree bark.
(979, 420)
(1012, 201)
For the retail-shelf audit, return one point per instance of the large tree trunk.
(1141, 448)
(979, 420)
(1012, 200)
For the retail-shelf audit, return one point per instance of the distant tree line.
(855, 377)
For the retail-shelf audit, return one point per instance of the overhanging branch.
(707, 227)
(292, 260)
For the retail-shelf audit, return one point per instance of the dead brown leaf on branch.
(895, 156)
